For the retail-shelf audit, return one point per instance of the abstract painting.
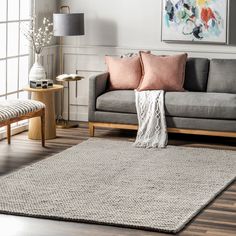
(194, 20)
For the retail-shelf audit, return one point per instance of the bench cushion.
(177, 104)
(11, 109)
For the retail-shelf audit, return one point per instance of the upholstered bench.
(16, 110)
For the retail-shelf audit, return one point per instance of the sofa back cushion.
(196, 74)
(125, 73)
(222, 76)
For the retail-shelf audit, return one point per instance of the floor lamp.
(67, 24)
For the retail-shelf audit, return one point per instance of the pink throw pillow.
(125, 73)
(162, 72)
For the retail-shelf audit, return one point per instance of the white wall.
(45, 8)
(126, 23)
(118, 26)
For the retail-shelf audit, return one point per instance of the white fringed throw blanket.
(152, 132)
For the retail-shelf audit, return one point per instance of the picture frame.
(195, 21)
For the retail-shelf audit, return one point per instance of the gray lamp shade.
(71, 24)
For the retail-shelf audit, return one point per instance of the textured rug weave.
(113, 183)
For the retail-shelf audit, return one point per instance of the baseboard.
(76, 116)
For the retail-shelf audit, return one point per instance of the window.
(14, 51)
(14, 48)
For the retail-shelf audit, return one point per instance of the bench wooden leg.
(43, 127)
(91, 129)
(9, 134)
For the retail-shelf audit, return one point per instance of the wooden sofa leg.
(91, 129)
(43, 127)
(9, 134)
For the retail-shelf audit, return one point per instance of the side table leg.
(68, 102)
(91, 129)
(43, 127)
(9, 134)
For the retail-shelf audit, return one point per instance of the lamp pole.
(67, 24)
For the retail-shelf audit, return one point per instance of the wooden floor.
(218, 219)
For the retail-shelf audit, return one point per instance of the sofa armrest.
(97, 86)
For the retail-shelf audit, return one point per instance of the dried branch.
(39, 38)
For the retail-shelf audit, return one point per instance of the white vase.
(37, 71)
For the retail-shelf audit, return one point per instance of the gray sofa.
(208, 107)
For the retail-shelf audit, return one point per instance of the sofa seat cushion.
(177, 104)
(117, 101)
(201, 105)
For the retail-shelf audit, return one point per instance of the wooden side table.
(47, 97)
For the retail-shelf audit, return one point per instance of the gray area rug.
(113, 183)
